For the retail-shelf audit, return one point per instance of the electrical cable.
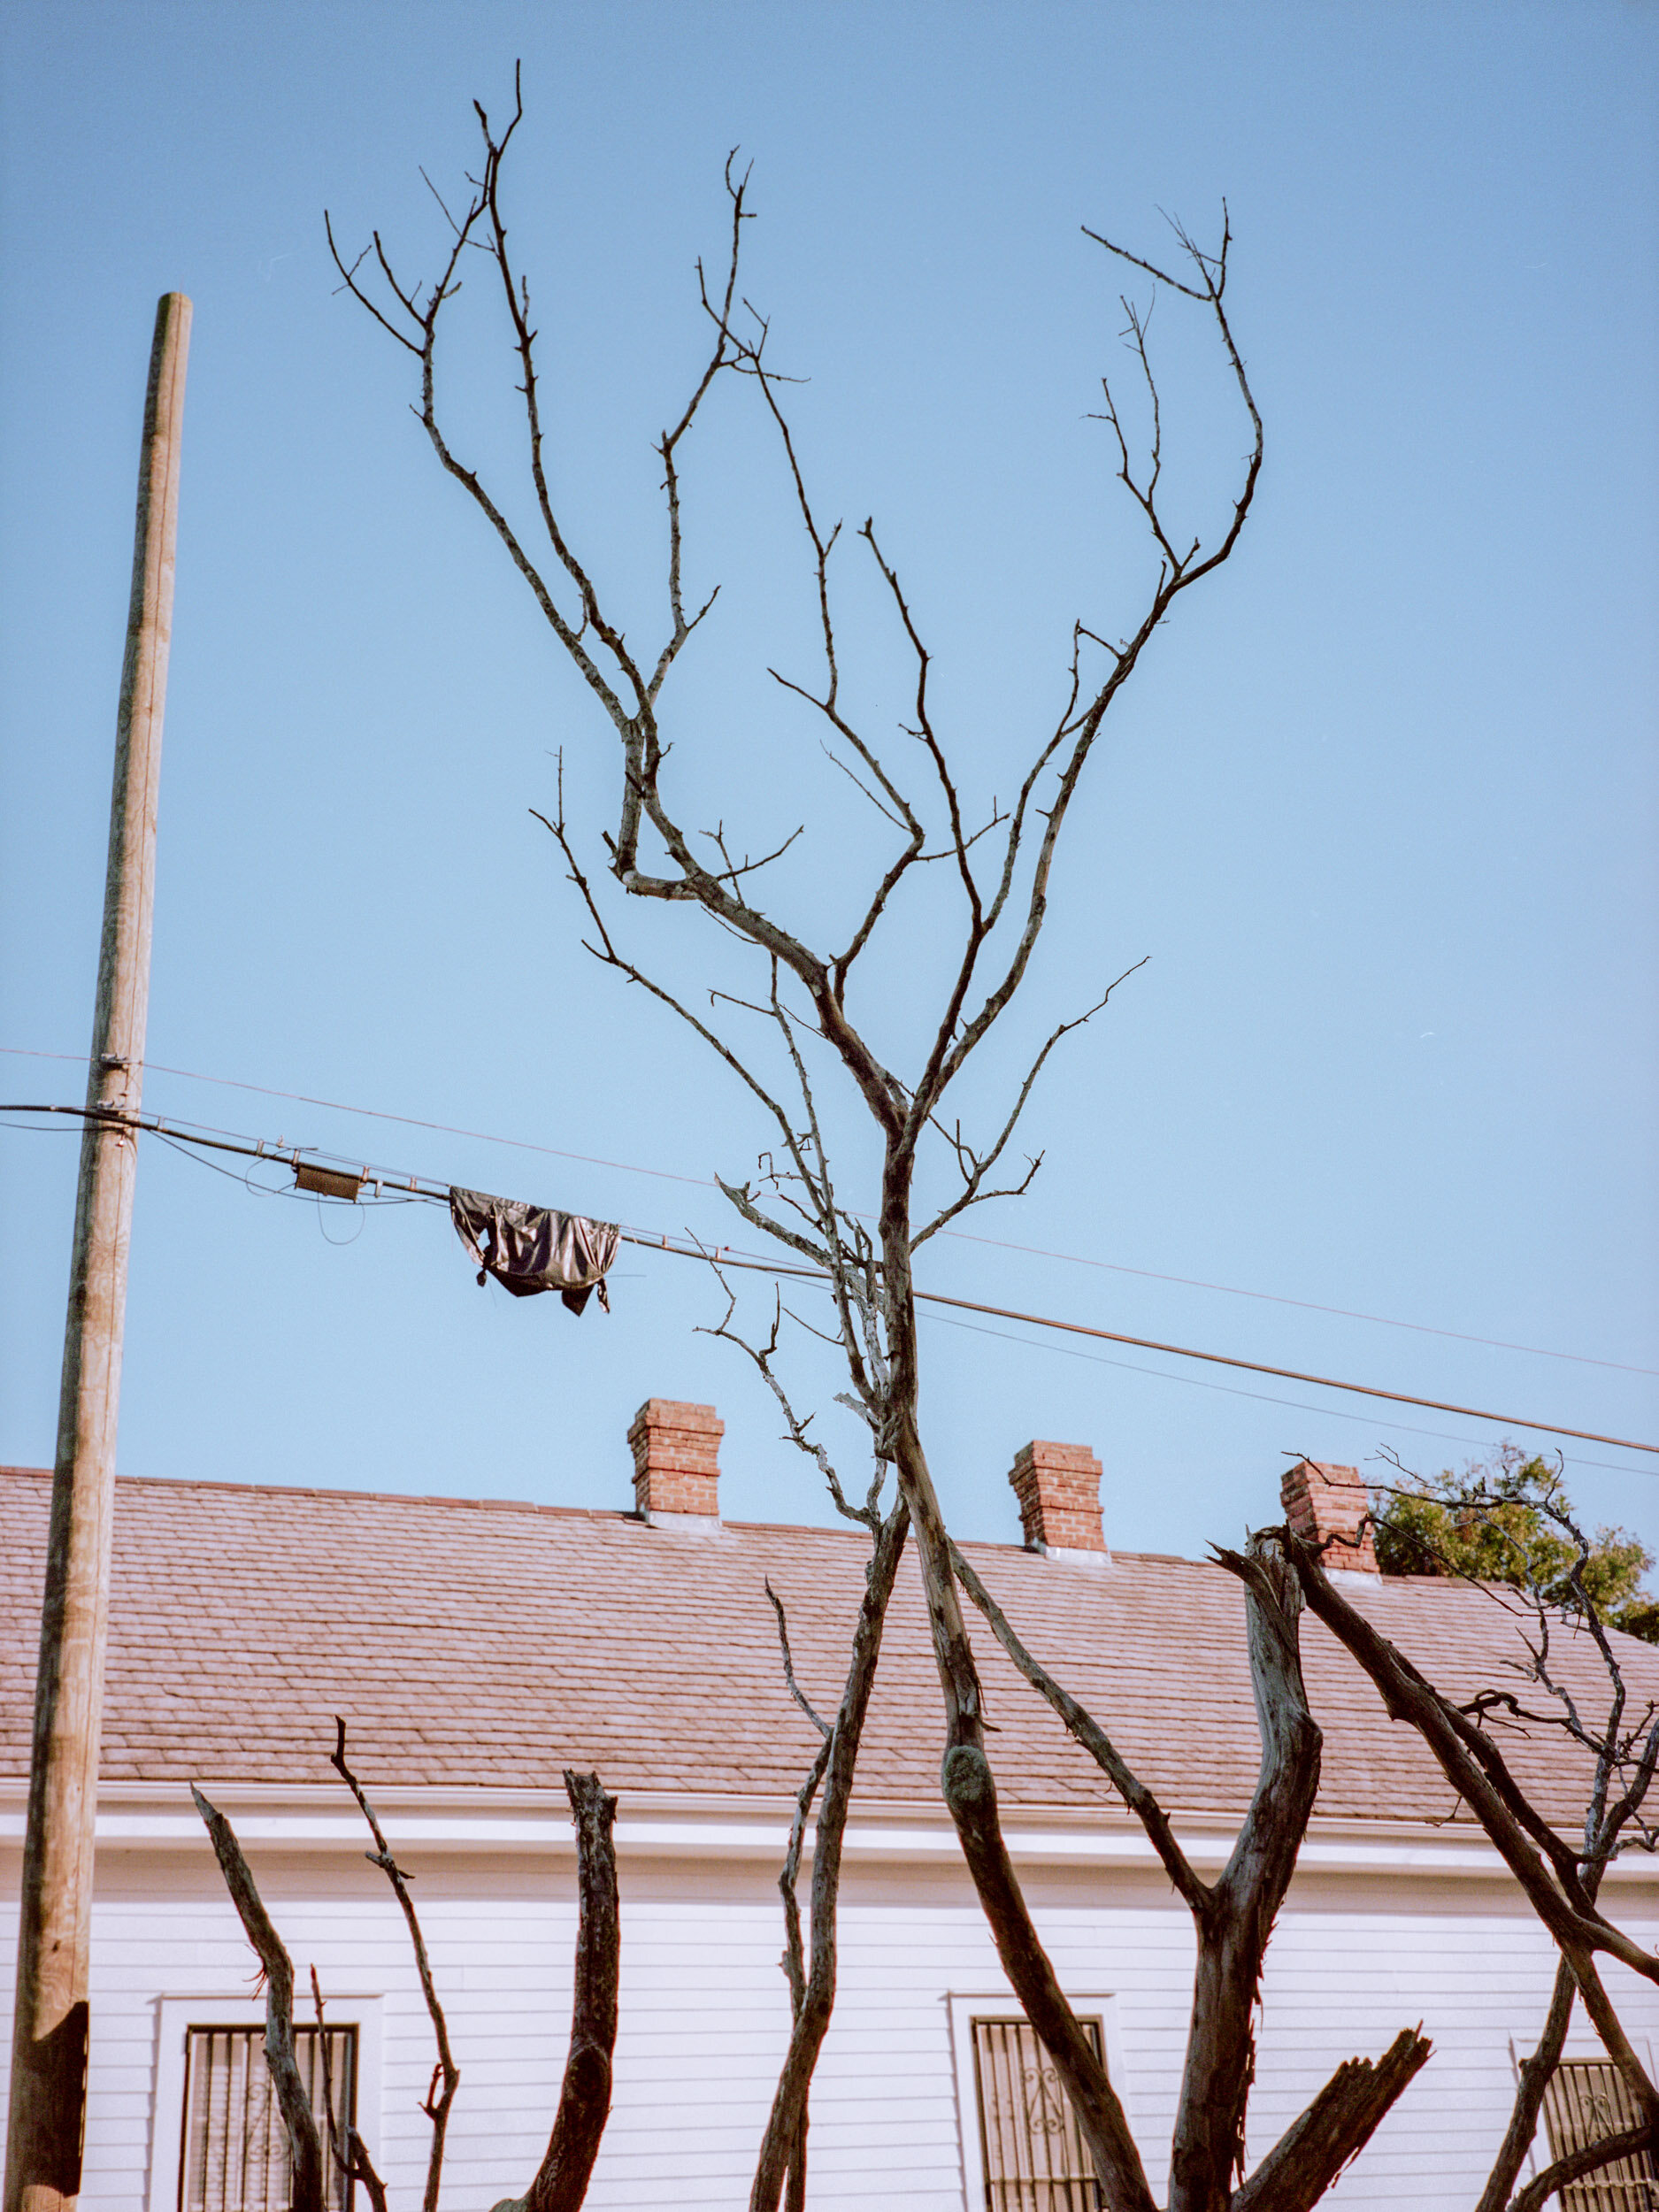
(1261, 1397)
(964, 1236)
(375, 1113)
(725, 1255)
(1305, 1305)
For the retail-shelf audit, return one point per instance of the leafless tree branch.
(299, 2122)
(1234, 1918)
(439, 2100)
(1550, 1872)
(795, 1691)
(1093, 1738)
(1624, 1751)
(353, 2163)
(1577, 2164)
(974, 1166)
(1535, 2073)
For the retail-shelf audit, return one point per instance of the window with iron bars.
(235, 2149)
(1585, 2101)
(1036, 2158)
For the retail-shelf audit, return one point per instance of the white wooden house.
(476, 1649)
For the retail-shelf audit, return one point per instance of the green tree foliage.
(1509, 1519)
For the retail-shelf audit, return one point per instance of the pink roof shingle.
(491, 1644)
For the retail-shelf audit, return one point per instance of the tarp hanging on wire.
(533, 1248)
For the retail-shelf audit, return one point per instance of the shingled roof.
(474, 1643)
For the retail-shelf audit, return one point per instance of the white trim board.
(220, 2008)
(967, 2005)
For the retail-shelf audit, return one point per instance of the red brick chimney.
(676, 1460)
(1058, 1489)
(1327, 1505)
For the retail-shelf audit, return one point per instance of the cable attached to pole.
(345, 1186)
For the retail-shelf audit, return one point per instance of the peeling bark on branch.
(1236, 1924)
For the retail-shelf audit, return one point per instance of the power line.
(1260, 1397)
(375, 1113)
(962, 1236)
(725, 1255)
(1288, 1374)
(1304, 1305)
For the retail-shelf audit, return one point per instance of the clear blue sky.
(1380, 806)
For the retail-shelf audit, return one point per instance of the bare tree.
(1001, 862)
(561, 2180)
(1549, 1604)
(1232, 1917)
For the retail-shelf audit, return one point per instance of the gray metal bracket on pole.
(48, 2056)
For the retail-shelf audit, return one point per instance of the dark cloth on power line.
(531, 1248)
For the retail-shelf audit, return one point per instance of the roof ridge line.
(215, 1484)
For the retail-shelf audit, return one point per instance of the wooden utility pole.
(48, 2056)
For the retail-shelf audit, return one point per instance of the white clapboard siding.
(704, 2016)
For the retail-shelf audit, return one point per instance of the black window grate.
(1036, 2158)
(1585, 2101)
(235, 2147)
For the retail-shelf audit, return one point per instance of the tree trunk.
(969, 1787)
(584, 2106)
(783, 2147)
(1235, 1924)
